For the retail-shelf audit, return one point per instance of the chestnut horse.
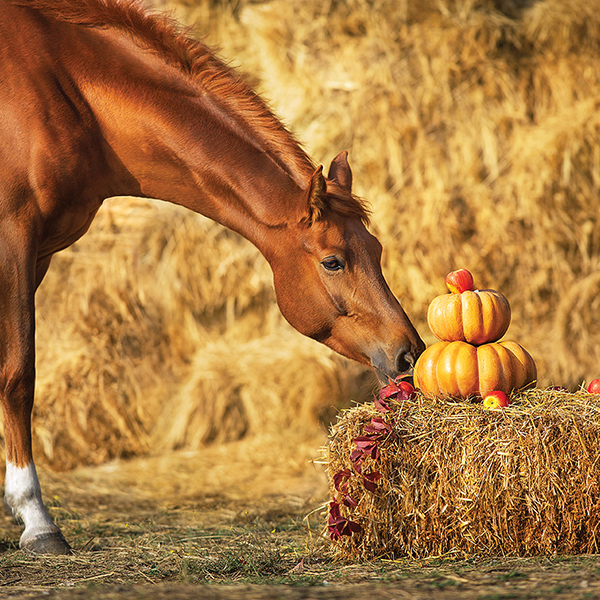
(100, 98)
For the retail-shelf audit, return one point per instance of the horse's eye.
(333, 263)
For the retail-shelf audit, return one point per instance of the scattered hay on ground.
(451, 478)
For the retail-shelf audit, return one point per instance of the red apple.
(497, 399)
(459, 281)
(407, 388)
(594, 387)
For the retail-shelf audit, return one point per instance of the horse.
(103, 98)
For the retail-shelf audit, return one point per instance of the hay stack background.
(121, 316)
(474, 130)
(258, 388)
(461, 480)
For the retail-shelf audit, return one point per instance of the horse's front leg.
(22, 491)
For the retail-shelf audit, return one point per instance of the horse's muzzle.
(389, 365)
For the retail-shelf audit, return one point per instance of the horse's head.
(329, 283)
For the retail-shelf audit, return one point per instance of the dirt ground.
(236, 521)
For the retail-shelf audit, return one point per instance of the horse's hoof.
(47, 543)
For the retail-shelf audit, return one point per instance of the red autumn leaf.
(338, 525)
(349, 501)
(381, 405)
(356, 458)
(335, 529)
(378, 427)
(397, 390)
(407, 391)
(334, 508)
(389, 391)
(370, 480)
(367, 445)
(339, 477)
(345, 527)
(352, 528)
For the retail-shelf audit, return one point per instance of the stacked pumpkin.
(469, 360)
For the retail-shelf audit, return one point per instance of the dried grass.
(258, 388)
(461, 480)
(473, 130)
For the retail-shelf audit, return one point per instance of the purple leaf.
(381, 405)
(338, 525)
(349, 501)
(339, 477)
(370, 480)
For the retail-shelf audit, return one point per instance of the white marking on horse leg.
(23, 495)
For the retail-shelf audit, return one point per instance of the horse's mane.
(160, 34)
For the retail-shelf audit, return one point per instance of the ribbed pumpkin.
(477, 317)
(460, 370)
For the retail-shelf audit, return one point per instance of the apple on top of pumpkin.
(468, 361)
(460, 281)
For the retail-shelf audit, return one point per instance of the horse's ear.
(316, 195)
(340, 172)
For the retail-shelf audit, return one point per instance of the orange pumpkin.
(460, 370)
(477, 317)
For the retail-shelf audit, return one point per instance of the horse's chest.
(65, 230)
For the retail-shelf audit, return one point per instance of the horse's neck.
(184, 146)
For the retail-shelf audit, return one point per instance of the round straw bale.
(430, 478)
(282, 384)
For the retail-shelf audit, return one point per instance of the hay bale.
(457, 479)
(282, 385)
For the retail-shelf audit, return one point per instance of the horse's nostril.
(404, 361)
